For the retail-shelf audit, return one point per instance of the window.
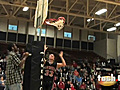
(68, 34)
(22, 38)
(12, 27)
(12, 37)
(50, 41)
(67, 43)
(2, 35)
(84, 45)
(91, 37)
(90, 46)
(75, 44)
(42, 33)
(59, 42)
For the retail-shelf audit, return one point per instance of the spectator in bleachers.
(2, 83)
(60, 74)
(61, 85)
(88, 85)
(67, 86)
(54, 86)
(75, 65)
(75, 75)
(79, 80)
(98, 87)
(76, 72)
(72, 87)
(93, 87)
(119, 86)
(1, 72)
(83, 86)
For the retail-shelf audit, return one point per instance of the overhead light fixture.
(118, 24)
(112, 29)
(25, 8)
(101, 11)
(88, 20)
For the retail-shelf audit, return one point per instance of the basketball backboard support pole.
(40, 15)
(35, 36)
(40, 34)
(41, 21)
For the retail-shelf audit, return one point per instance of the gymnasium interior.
(90, 38)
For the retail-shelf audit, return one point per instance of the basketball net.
(58, 23)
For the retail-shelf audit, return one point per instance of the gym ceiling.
(76, 12)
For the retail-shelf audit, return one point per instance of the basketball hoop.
(59, 23)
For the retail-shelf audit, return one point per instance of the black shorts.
(47, 85)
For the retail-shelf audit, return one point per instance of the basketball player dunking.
(49, 70)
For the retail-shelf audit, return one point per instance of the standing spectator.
(61, 85)
(13, 68)
(75, 65)
(83, 86)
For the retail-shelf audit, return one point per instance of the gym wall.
(55, 38)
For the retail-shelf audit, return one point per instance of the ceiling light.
(118, 24)
(25, 8)
(101, 11)
(88, 20)
(112, 29)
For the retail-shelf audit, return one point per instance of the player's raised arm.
(63, 64)
(45, 48)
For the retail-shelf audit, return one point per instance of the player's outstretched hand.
(26, 54)
(45, 47)
(61, 54)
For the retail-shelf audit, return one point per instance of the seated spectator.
(98, 87)
(2, 83)
(83, 86)
(75, 75)
(79, 80)
(75, 65)
(76, 72)
(1, 72)
(67, 86)
(54, 86)
(119, 86)
(88, 85)
(60, 74)
(72, 87)
(61, 85)
(93, 87)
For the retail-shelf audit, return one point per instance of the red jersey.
(76, 73)
(61, 85)
(75, 65)
(82, 86)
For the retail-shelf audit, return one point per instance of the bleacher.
(76, 55)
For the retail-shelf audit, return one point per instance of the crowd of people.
(70, 77)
